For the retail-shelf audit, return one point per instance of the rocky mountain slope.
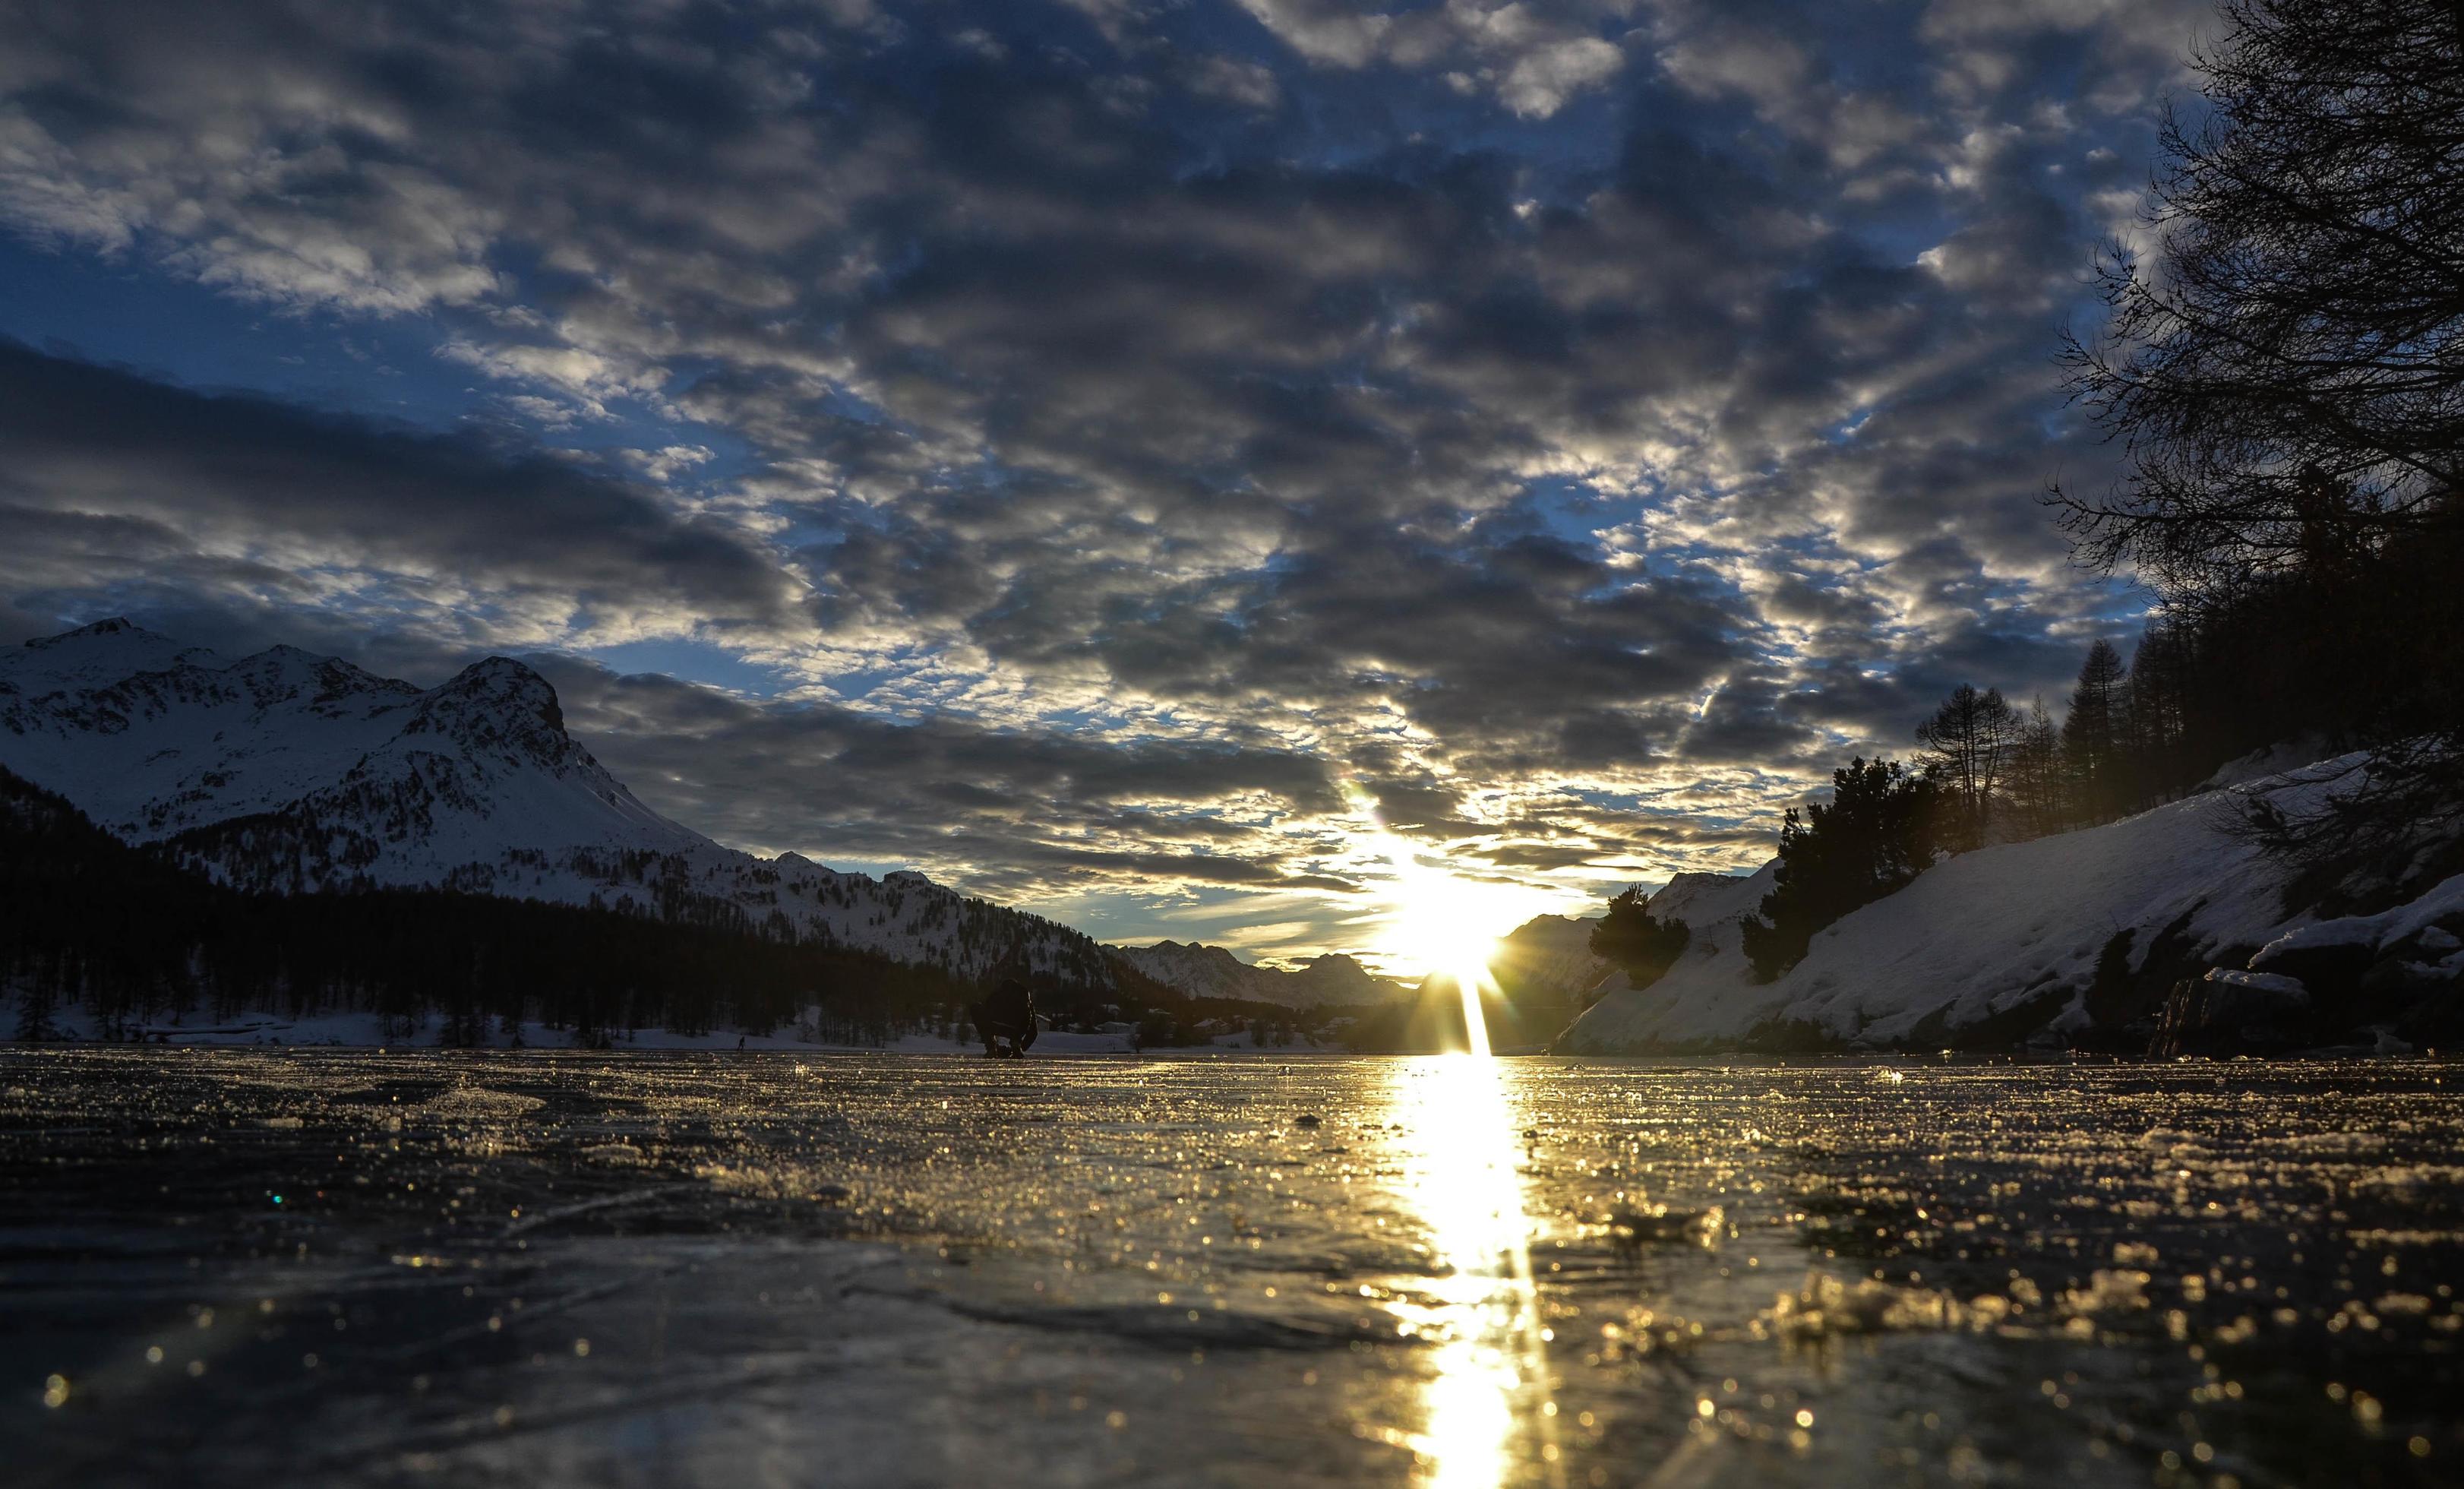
(293, 772)
(1202, 971)
(2164, 931)
(1549, 954)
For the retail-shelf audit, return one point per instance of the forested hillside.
(85, 919)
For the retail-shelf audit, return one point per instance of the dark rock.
(2421, 1002)
(2332, 973)
(2128, 991)
(2235, 1012)
(2015, 1026)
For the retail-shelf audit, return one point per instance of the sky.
(1194, 470)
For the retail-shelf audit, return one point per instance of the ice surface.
(243, 1266)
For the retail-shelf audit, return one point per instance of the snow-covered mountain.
(1200, 971)
(1335, 979)
(293, 772)
(2083, 938)
(1212, 972)
(1549, 953)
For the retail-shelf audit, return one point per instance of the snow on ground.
(1976, 936)
(372, 1031)
(1711, 974)
(2370, 932)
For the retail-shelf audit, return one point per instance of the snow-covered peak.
(285, 675)
(1704, 900)
(92, 655)
(502, 711)
(1214, 972)
(291, 771)
(502, 682)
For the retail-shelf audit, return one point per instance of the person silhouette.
(1004, 1019)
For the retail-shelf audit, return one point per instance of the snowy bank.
(355, 1030)
(2079, 938)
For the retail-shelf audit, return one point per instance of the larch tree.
(1968, 745)
(2285, 367)
(2039, 790)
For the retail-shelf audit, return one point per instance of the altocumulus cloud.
(1096, 451)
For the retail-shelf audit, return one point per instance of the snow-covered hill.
(2055, 938)
(1214, 972)
(293, 772)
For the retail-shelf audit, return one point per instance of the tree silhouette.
(1876, 834)
(2286, 371)
(1969, 741)
(2040, 787)
(2095, 734)
(1629, 939)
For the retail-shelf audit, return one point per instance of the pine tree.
(1876, 834)
(2160, 713)
(1630, 939)
(34, 1014)
(2094, 733)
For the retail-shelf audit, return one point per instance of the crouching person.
(1005, 1020)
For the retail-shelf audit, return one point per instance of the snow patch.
(2372, 932)
(1981, 934)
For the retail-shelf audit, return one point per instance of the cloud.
(1532, 56)
(1015, 812)
(257, 497)
(1572, 426)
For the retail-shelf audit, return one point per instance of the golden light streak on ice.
(1483, 1422)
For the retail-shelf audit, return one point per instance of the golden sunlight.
(1445, 924)
(1483, 1422)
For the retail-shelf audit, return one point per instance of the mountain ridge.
(289, 771)
(1333, 978)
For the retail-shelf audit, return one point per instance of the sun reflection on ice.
(1486, 1422)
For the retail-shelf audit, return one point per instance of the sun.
(1447, 925)
(1438, 920)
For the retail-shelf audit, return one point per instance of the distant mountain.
(1200, 971)
(1549, 953)
(1548, 956)
(102, 939)
(1336, 979)
(292, 772)
(1212, 972)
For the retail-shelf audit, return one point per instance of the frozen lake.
(248, 1266)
